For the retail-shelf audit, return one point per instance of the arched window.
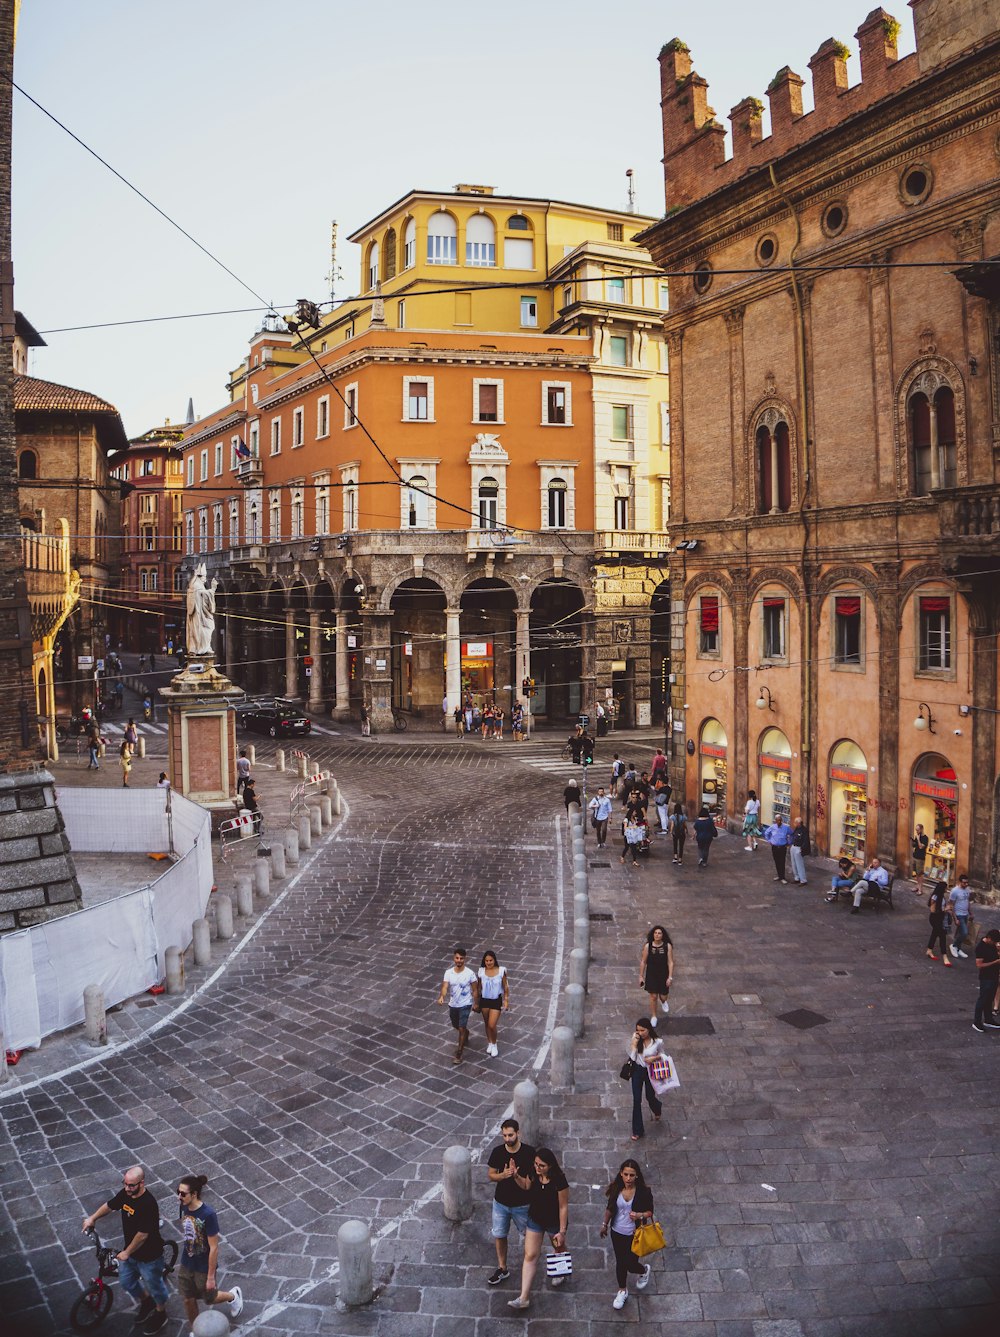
(489, 493)
(254, 526)
(389, 249)
(518, 223)
(417, 511)
(27, 464)
(774, 466)
(932, 434)
(373, 254)
(442, 239)
(944, 409)
(557, 503)
(919, 413)
(409, 244)
(480, 241)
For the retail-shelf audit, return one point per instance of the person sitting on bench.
(874, 879)
(845, 880)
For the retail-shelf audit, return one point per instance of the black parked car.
(280, 720)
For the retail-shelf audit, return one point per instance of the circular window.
(702, 277)
(834, 219)
(767, 249)
(915, 184)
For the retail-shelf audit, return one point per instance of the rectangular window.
(616, 232)
(774, 628)
(148, 469)
(621, 422)
(190, 470)
(204, 465)
(557, 507)
(254, 440)
(616, 290)
(441, 250)
(709, 624)
(847, 629)
(488, 404)
(568, 295)
(555, 405)
(621, 513)
(664, 297)
(350, 406)
(176, 537)
(529, 313)
(618, 350)
(323, 417)
(518, 253)
(218, 459)
(417, 410)
(482, 253)
(935, 633)
(275, 436)
(298, 427)
(401, 315)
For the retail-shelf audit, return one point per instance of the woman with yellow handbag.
(629, 1210)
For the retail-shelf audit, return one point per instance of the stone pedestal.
(37, 877)
(377, 670)
(202, 737)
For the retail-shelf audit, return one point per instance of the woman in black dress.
(656, 969)
(935, 904)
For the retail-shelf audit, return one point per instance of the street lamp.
(924, 722)
(765, 701)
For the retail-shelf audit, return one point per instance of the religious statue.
(200, 614)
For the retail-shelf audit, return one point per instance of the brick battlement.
(694, 161)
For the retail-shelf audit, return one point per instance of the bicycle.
(399, 722)
(92, 1307)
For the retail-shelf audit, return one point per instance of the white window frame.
(629, 422)
(565, 386)
(274, 509)
(418, 380)
(412, 468)
(217, 527)
(478, 381)
(549, 470)
(218, 459)
(322, 417)
(349, 494)
(351, 408)
(275, 436)
(234, 523)
(189, 532)
(663, 294)
(487, 459)
(409, 244)
(621, 512)
(529, 313)
(401, 314)
(203, 529)
(625, 340)
(770, 654)
(321, 491)
(298, 427)
(614, 289)
(948, 649)
(203, 472)
(297, 512)
(190, 470)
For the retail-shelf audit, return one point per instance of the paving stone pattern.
(837, 1181)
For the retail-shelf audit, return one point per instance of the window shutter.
(710, 612)
(774, 602)
(935, 604)
(848, 607)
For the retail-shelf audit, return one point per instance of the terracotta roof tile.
(32, 394)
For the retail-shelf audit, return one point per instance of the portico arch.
(556, 630)
(418, 634)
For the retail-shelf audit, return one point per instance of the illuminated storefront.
(849, 801)
(775, 791)
(713, 766)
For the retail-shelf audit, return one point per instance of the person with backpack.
(661, 801)
(678, 832)
(704, 833)
(617, 771)
(799, 849)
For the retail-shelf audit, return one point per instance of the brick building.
(833, 335)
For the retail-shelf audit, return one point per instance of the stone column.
(230, 631)
(887, 667)
(984, 840)
(522, 659)
(453, 652)
(678, 503)
(291, 661)
(737, 407)
(377, 668)
(880, 320)
(742, 686)
(316, 655)
(588, 667)
(342, 709)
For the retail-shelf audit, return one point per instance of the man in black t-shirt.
(510, 1202)
(988, 965)
(140, 1263)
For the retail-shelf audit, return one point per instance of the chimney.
(745, 119)
(829, 72)
(877, 39)
(784, 93)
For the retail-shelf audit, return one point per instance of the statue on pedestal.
(200, 614)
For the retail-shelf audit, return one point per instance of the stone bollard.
(224, 916)
(279, 759)
(315, 820)
(244, 895)
(579, 862)
(574, 996)
(303, 767)
(211, 1323)
(313, 769)
(173, 959)
(262, 877)
(291, 839)
(561, 1067)
(337, 805)
(95, 1018)
(278, 860)
(457, 1183)
(251, 751)
(305, 832)
(326, 810)
(526, 1110)
(579, 962)
(201, 938)
(140, 747)
(581, 905)
(581, 935)
(581, 883)
(354, 1253)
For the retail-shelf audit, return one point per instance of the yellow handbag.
(647, 1239)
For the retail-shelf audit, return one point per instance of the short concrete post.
(102, 750)
(457, 1184)
(575, 997)
(581, 883)
(211, 1323)
(581, 905)
(579, 862)
(201, 937)
(313, 769)
(561, 1067)
(326, 810)
(303, 767)
(278, 860)
(354, 1253)
(251, 751)
(581, 935)
(579, 961)
(337, 808)
(575, 816)
(244, 895)
(95, 1018)
(305, 832)
(224, 916)
(315, 820)
(174, 961)
(526, 1110)
(279, 759)
(141, 746)
(291, 838)
(262, 878)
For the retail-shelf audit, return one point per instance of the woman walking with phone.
(630, 1202)
(548, 1214)
(644, 1046)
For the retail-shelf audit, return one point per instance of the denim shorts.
(503, 1216)
(460, 1016)
(532, 1224)
(136, 1276)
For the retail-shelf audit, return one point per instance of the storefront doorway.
(713, 754)
(478, 679)
(935, 807)
(848, 802)
(775, 760)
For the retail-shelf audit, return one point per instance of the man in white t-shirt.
(461, 987)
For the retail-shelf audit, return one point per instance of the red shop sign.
(775, 763)
(851, 776)
(713, 750)
(947, 793)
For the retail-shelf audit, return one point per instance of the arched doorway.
(271, 642)
(713, 767)
(325, 671)
(488, 629)
(418, 646)
(351, 592)
(659, 652)
(774, 756)
(934, 791)
(848, 801)
(295, 663)
(556, 624)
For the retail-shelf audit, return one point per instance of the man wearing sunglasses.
(140, 1263)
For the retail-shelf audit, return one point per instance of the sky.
(254, 125)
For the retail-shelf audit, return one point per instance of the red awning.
(935, 603)
(710, 613)
(774, 603)
(848, 607)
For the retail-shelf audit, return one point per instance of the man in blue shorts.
(461, 987)
(510, 1203)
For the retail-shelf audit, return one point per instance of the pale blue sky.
(254, 124)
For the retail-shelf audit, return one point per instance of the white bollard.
(174, 961)
(95, 1018)
(262, 877)
(581, 905)
(211, 1323)
(305, 832)
(561, 1067)
(141, 746)
(251, 751)
(315, 820)
(581, 935)
(456, 1197)
(579, 962)
(313, 769)
(579, 862)
(326, 810)
(278, 860)
(201, 938)
(574, 996)
(244, 895)
(303, 767)
(291, 838)
(526, 1110)
(354, 1253)
(337, 805)
(581, 883)
(224, 916)
(279, 759)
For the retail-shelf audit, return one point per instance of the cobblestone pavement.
(818, 1175)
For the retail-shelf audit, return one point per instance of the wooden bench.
(875, 895)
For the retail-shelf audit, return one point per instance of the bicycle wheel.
(91, 1309)
(169, 1256)
(399, 723)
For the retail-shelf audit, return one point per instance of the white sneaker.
(619, 1301)
(559, 1281)
(652, 1021)
(236, 1304)
(643, 1281)
(953, 949)
(963, 955)
(666, 1007)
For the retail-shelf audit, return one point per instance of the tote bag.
(663, 1073)
(558, 1264)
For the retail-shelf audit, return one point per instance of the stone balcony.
(969, 521)
(646, 543)
(53, 587)
(250, 472)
